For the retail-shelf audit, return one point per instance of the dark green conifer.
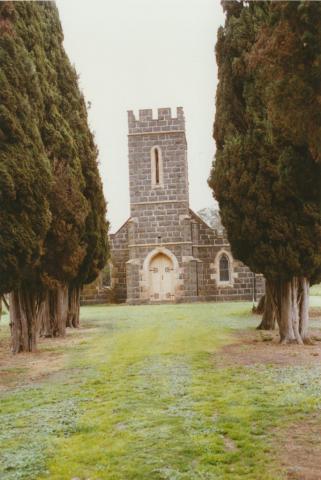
(25, 177)
(79, 229)
(266, 176)
(45, 134)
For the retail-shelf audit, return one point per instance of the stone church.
(165, 252)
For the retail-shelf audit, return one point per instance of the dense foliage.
(266, 175)
(79, 233)
(25, 174)
(53, 225)
(68, 204)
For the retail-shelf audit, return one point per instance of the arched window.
(224, 268)
(156, 167)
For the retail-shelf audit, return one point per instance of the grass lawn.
(315, 296)
(160, 392)
(316, 290)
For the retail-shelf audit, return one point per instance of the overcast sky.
(133, 54)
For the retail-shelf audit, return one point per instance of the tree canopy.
(266, 175)
(25, 173)
(53, 215)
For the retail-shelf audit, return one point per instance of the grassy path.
(144, 396)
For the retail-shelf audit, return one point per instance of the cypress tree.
(94, 235)
(68, 203)
(79, 228)
(96, 228)
(69, 208)
(25, 177)
(266, 175)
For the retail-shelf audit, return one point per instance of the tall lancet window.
(224, 268)
(156, 167)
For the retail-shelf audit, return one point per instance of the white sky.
(133, 54)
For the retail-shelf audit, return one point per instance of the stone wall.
(119, 258)
(161, 221)
(197, 275)
(156, 209)
(209, 245)
(95, 293)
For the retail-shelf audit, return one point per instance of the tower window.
(156, 167)
(224, 268)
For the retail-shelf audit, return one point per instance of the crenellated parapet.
(165, 121)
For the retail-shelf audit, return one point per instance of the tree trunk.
(293, 306)
(44, 319)
(5, 301)
(304, 310)
(73, 307)
(53, 313)
(259, 308)
(23, 320)
(58, 302)
(268, 321)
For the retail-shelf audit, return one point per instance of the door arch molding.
(173, 280)
(155, 252)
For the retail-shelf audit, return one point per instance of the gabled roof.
(200, 219)
(120, 228)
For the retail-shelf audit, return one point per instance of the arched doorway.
(161, 278)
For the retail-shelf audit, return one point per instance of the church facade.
(165, 252)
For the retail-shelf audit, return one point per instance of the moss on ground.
(144, 396)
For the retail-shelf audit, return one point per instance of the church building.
(165, 252)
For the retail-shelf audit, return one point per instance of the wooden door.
(161, 278)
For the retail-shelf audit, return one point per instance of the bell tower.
(160, 223)
(158, 174)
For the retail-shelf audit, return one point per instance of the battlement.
(164, 122)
